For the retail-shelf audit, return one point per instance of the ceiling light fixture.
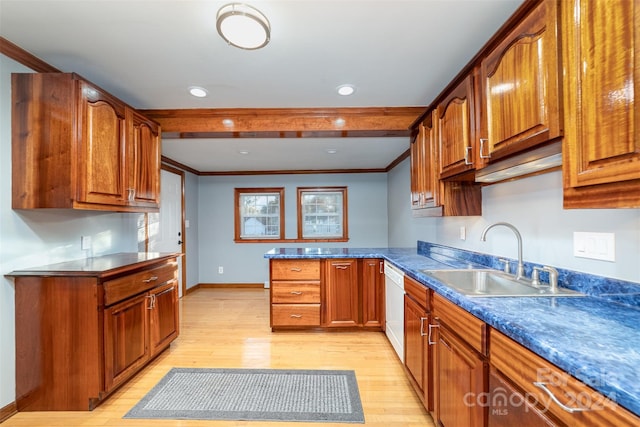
(346, 90)
(227, 123)
(198, 92)
(243, 26)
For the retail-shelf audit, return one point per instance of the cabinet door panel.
(145, 176)
(125, 336)
(460, 380)
(414, 341)
(372, 293)
(163, 321)
(455, 118)
(341, 293)
(601, 150)
(521, 102)
(102, 148)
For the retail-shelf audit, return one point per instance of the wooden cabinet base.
(72, 348)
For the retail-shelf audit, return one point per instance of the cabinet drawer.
(123, 287)
(295, 269)
(467, 326)
(295, 292)
(525, 368)
(418, 292)
(295, 315)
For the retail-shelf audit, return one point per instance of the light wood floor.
(229, 328)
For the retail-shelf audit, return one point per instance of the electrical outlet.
(85, 243)
(463, 232)
(594, 245)
(220, 270)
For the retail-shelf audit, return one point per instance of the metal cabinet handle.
(544, 387)
(381, 267)
(151, 279)
(296, 316)
(152, 302)
(131, 193)
(341, 266)
(467, 154)
(296, 292)
(482, 141)
(429, 340)
(296, 269)
(422, 333)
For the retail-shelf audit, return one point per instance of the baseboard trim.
(224, 285)
(8, 411)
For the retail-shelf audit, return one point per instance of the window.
(322, 213)
(259, 214)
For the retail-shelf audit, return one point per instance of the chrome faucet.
(483, 237)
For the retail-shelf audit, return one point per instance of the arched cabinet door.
(601, 150)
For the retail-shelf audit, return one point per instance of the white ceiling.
(397, 53)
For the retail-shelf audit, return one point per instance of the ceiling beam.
(285, 122)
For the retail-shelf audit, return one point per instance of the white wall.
(534, 206)
(244, 262)
(33, 238)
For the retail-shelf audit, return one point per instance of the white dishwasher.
(394, 307)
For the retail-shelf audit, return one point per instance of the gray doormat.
(253, 394)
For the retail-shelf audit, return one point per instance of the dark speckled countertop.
(595, 338)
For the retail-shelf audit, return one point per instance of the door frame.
(183, 246)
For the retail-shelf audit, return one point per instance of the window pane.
(322, 214)
(259, 215)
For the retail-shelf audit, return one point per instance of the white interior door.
(166, 231)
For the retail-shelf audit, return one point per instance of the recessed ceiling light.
(198, 92)
(346, 90)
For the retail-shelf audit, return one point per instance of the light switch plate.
(600, 246)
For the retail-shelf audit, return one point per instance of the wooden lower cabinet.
(327, 293)
(417, 353)
(353, 293)
(372, 275)
(530, 375)
(509, 407)
(85, 327)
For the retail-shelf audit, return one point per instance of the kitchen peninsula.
(594, 338)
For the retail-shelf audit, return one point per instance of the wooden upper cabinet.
(520, 90)
(424, 166)
(601, 150)
(76, 146)
(456, 130)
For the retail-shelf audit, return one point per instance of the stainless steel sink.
(494, 283)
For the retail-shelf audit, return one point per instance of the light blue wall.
(534, 206)
(32, 238)
(244, 262)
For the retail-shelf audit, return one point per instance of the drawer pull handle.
(296, 316)
(341, 266)
(544, 387)
(296, 269)
(296, 292)
(429, 340)
(151, 279)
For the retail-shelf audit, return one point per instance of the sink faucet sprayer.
(483, 237)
